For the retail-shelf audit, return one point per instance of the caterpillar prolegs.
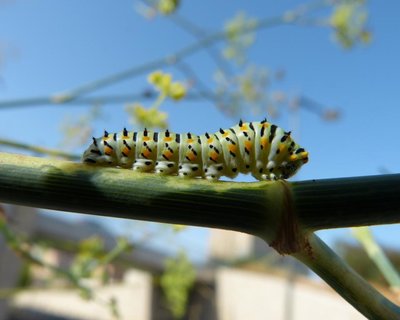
(260, 148)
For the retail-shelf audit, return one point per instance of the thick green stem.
(348, 202)
(317, 204)
(281, 213)
(77, 187)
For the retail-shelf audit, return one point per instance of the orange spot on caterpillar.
(167, 139)
(214, 155)
(232, 148)
(248, 144)
(107, 150)
(264, 142)
(145, 138)
(303, 155)
(126, 150)
(190, 156)
(167, 154)
(189, 140)
(146, 152)
(209, 141)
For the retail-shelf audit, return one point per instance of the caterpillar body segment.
(260, 148)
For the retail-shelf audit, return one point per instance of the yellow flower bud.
(177, 91)
(148, 117)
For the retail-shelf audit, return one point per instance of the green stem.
(378, 256)
(276, 211)
(247, 207)
(348, 202)
(77, 187)
(324, 262)
(160, 99)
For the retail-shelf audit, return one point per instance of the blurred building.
(244, 279)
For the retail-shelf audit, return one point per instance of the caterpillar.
(260, 148)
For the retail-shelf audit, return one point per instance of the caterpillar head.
(295, 162)
(99, 152)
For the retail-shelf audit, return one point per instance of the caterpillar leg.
(143, 165)
(166, 167)
(269, 176)
(258, 171)
(213, 172)
(189, 170)
(212, 178)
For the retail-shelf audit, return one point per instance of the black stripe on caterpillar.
(260, 148)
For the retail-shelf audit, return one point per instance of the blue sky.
(50, 46)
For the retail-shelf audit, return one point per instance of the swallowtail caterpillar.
(260, 148)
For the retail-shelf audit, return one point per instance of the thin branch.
(98, 100)
(290, 17)
(378, 256)
(39, 150)
(318, 108)
(204, 91)
(187, 25)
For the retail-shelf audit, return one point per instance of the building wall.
(225, 245)
(133, 297)
(249, 295)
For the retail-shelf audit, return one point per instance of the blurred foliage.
(113, 303)
(249, 92)
(25, 279)
(152, 117)
(163, 83)
(78, 130)
(178, 227)
(92, 260)
(237, 41)
(91, 256)
(178, 279)
(167, 6)
(358, 259)
(147, 117)
(349, 19)
(89, 252)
